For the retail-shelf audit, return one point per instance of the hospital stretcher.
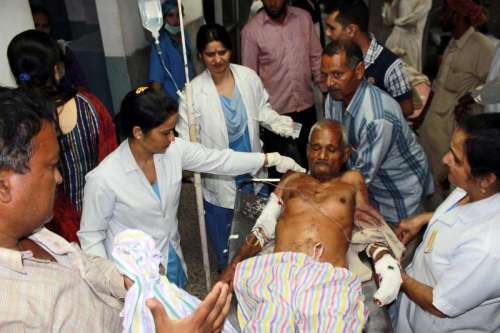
(247, 208)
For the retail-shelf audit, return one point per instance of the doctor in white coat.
(230, 103)
(138, 185)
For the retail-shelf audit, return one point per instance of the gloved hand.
(389, 274)
(284, 126)
(282, 163)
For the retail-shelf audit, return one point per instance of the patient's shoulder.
(290, 179)
(292, 176)
(353, 177)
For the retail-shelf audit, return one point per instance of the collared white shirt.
(75, 294)
(459, 258)
(118, 195)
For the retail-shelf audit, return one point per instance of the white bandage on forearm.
(266, 222)
(389, 274)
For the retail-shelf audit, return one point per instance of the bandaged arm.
(265, 225)
(262, 232)
(387, 269)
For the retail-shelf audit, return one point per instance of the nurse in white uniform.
(453, 282)
(138, 185)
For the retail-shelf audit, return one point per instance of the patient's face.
(326, 153)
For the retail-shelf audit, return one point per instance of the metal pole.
(193, 135)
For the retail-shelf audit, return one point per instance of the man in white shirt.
(84, 292)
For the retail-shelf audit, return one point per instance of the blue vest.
(375, 73)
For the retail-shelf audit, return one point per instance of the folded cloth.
(136, 256)
(292, 292)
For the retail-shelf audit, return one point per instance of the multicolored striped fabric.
(135, 255)
(292, 292)
(79, 151)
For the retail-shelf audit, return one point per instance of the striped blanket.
(292, 292)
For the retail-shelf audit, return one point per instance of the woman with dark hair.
(138, 185)
(230, 103)
(86, 129)
(453, 282)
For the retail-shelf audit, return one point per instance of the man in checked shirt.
(384, 149)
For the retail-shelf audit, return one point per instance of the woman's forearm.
(420, 294)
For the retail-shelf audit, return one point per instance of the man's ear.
(488, 180)
(5, 186)
(359, 70)
(351, 30)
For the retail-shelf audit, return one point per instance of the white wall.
(15, 17)
(135, 37)
(110, 26)
(193, 9)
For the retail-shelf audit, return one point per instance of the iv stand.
(193, 134)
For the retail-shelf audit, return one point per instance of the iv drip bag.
(151, 16)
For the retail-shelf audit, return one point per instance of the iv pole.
(193, 135)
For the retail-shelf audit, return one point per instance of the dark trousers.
(294, 148)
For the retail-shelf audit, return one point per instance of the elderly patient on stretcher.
(319, 222)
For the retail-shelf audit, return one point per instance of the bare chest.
(334, 194)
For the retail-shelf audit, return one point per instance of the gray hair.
(328, 122)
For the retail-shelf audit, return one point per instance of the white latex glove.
(282, 163)
(284, 127)
(389, 274)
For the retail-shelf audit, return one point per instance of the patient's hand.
(227, 274)
(409, 228)
(389, 274)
